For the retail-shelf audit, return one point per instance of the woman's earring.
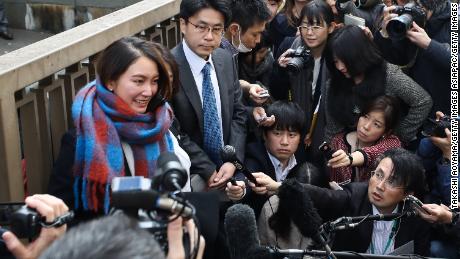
(110, 89)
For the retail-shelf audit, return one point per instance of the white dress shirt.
(196, 64)
(280, 172)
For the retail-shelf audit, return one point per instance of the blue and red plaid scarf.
(102, 121)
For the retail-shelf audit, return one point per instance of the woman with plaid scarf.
(122, 123)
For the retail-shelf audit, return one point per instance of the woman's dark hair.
(289, 116)
(351, 45)
(407, 170)
(316, 11)
(345, 98)
(288, 11)
(189, 8)
(171, 61)
(119, 55)
(389, 105)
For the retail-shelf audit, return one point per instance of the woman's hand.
(265, 184)
(235, 192)
(49, 207)
(283, 60)
(339, 158)
(418, 36)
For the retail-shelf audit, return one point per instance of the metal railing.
(38, 83)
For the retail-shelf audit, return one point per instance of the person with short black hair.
(208, 106)
(118, 236)
(359, 74)
(398, 174)
(273, 159)
(246, 25)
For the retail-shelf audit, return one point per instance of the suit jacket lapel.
(223, 89)
(189, 85)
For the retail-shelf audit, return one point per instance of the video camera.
(411, 12)
(434, 128)
(152, 202)
(299, 57)
(26, 222)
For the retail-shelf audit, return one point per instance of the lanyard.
(389, 241)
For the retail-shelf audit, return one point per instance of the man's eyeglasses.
(201, 28)
(313, 28)
(390, 182)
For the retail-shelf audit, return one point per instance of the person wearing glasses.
(305, 85)
(208, 105)
(398, 174)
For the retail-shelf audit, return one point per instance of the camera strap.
(59, 221)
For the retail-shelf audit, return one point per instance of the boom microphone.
(352, 222)
(242, 236)
(228, 154)
(149, 200)
(305, 217)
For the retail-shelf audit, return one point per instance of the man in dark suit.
(398, 174)
(208, 105)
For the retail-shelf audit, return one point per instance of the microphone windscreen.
(228, 153)
(169, 169)
(240, 226)
(293, 195)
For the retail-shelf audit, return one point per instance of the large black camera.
(434, 128)
(23, 221)
(299, 57)
(411, 12)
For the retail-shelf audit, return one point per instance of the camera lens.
(295, 65)
(398, 26)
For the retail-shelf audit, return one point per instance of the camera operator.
(49, 207)
(118, 236)
(436, 154)
(425, 49)
(304, 66)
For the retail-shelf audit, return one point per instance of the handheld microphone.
(228, 154)
(242, 235)
(149, 200)
(171, 175)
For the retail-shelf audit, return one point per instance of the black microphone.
(305, 217)
(228, 154)
(352, 222)
(242, 235)
(171, 175)
(149, 200)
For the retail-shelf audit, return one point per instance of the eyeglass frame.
(313, 28)
(205, 29)
(388, 182)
